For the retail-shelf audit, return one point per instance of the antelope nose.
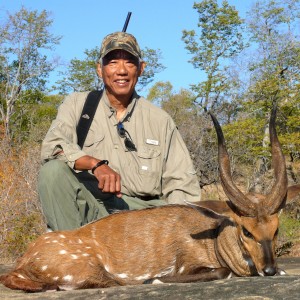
(269, 270)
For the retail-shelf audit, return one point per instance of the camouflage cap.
(120, 40)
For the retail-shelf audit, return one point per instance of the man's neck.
(120, 104)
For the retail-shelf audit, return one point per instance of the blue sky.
(156, 24)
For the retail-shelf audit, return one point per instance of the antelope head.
(255, 216)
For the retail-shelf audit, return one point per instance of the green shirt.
(161, 166)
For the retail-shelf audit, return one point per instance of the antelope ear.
(209, 211)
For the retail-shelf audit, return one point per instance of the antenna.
(126, 22)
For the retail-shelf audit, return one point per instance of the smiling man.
(133, 156)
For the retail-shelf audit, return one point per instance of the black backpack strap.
(87, 115)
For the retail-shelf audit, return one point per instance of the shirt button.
(116, 147)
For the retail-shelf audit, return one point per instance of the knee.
(53, 170)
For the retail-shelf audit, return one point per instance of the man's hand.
(109, 180)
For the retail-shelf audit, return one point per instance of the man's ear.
(99, 70)
(142, 68)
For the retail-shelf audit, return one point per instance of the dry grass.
(21, 220)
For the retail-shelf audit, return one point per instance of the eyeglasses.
(123, 133)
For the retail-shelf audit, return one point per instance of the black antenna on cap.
(126, 22)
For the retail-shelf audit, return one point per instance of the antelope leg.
(204, 275)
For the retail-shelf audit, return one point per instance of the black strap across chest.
(87, 115)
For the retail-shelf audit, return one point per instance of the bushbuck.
(173, 243)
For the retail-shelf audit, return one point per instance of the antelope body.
(174, 243)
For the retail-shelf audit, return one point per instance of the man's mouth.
(121, 81)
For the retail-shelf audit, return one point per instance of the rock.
(277, 287)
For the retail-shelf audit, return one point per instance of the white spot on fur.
(167, 271)
(36, 253)
(88, 247)
(62, 252)
(106, 267)
(66, 287)
(122, 275)
(85, 254)
(55, 241)
(99, 256)
(21, 276)
(80, 281)
(46, 237)
(80, 241)
(143, 277)
(96, 243)
(156, 281)
(62, 236)
(55, 278)
(44, 268)
(74, 256)
(68, 277)
(181, 270)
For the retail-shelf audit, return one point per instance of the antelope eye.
(247, 233)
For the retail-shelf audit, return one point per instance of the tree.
(275, 71)
(25, 41)
(219, 39)
(81, 75)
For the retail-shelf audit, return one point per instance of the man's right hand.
(109, 180)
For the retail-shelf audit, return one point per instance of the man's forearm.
(85, 163)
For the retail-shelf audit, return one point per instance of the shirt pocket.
(91, 143)
(148, 172)
(149, 160)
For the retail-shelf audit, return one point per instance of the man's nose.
(122, 67)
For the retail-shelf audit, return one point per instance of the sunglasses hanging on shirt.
(124, 134)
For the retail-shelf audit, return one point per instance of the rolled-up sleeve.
(61, 139)
(179, 182)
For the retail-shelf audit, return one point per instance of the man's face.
(120, 71)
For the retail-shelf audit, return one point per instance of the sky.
(156, 24)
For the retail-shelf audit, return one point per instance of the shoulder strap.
(87, 115)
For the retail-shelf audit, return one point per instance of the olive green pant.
(70, 200)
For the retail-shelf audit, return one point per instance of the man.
(133, 156)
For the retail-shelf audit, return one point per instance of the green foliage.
(289, 233)
(25, 40)
(23, 231)
(153, 66)
(275, 71)
(160, 91)
(244, 139)
(80, 75)
(33, 116)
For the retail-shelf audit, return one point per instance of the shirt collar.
(130, 108)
